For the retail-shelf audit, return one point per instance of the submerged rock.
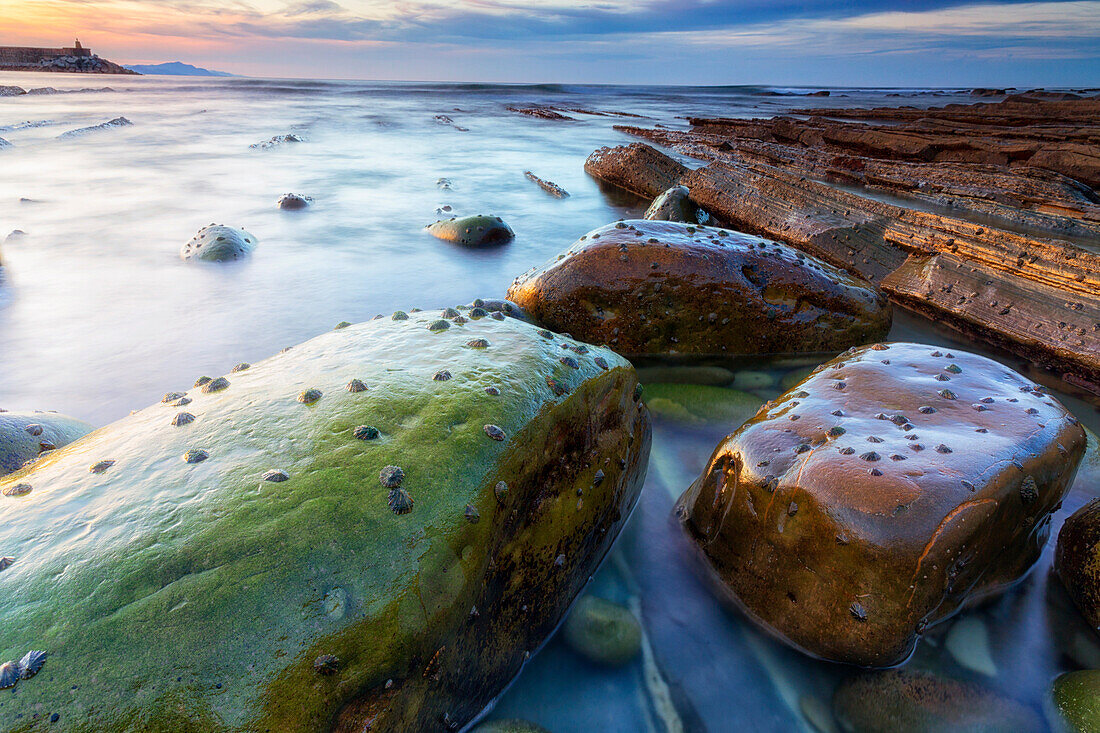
(294, 201)
(4, 143)
(696, 404)
(1077, 560)
(919, 702)
(638, 168)
(602, 631)
(1076, 697)
(26, 435)
(673, 205)
(473, 231)
(649, 287)
(276, 142)
(219, 243)
(184, 597)
(80, 132)
(880, 495)
(549, 186)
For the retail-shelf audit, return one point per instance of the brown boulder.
(881, 494)
(656, 287)
(1077, 560)
(637, 167)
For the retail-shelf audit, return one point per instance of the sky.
(886, 43)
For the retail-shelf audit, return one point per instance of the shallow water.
(98, 316)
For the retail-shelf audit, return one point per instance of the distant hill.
(175, 68)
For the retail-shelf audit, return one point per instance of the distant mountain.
(175, 68)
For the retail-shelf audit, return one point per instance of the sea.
(100, 316)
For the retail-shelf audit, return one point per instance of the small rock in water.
(473, 231)
(549, 186)
(219, 243)
(602, 631)
(294, 201)
(968, 643)
(276, 141)
(673, 205)
(116, 122)
(750, 380)
(1076, 697)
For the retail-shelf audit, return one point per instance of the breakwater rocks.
(877, 497)
(978, 216)
(473, 231)
(654, 287)
(223, 573)
(27, 436)
(219, 243)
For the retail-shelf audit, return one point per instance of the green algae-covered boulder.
(1076, 697)
(370, 530)
(219, 243)
(473, 231)
(24, 436)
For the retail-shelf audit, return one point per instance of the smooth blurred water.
(98, 316)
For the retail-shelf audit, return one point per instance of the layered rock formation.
(980, 216)
(655, 287)
(880, 495)
(371, 530)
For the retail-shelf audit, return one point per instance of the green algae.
(698, 404)
(176, 596)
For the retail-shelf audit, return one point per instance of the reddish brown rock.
(890, 488)
(1077, 560)
(637, 167)
(655, 287)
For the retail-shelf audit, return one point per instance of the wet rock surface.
(82, 131)
(674, 205)
(224, 600)
(1077, 560)
(893, 486)
(1076, 697)
(473, 231)
(602, 631)
(276, 141)
(981, 216)
(646, 287)
(219, 243)
(637, 168)
(294, 201)
(549, 186)
(918, 702)
(25, 436)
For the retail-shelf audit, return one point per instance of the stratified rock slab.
(24, 436)
(881, 494)
(638, 168)
(219, 243)
(339, 538)
(654, 287)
